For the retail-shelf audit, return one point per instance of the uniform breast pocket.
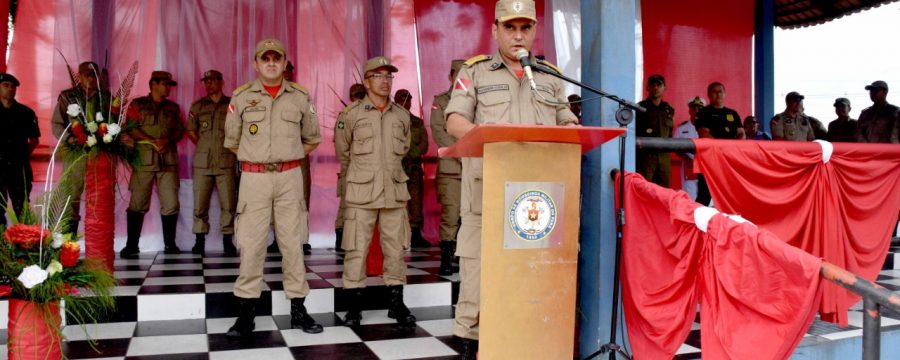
(360, 187)
(400, 178)
(363, 140)
(401, 137)
(545, 112)
(291, 121)
(205, 124)
(495, 105)
(253, 122)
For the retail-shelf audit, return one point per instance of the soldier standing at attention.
(156, 135)
(842, 129)
(657, 121)
(448, 176)
(499, 81)
(20, 133)
(371, 137)
(357, 92)
(271, 125)
(214, 165)
(412, 166)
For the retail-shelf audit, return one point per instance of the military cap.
(841, 100)
(696, 101)
(8, 77)
(880, 84)
(506, 10)
(378, 62)
(269, 45)
(656, 79)
(166, 76)
(88, 68)
(793, 96)
(211, 74)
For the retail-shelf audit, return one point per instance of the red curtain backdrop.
(842, 211)
(756, 294)
(4, 33)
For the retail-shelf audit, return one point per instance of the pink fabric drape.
(756, 294)
(842, 211)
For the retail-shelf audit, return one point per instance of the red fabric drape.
(99, 207)
(757, 294)
(33, 331)
(842, 211)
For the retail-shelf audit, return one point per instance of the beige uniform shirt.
(447, 167)
(267, 130)
(207, 119)
(162, 120)
(370, 145)
(792, 128)
(487, 91)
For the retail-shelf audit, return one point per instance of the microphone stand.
(624, 116)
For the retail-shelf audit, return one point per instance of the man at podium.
(494, 89)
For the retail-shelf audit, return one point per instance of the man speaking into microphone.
(495, 89)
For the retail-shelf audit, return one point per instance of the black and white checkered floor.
(178, 307)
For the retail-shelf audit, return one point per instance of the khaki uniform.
(449, 170)
(486, 90)
(74, 170)
(792, 128)
(159, 121)
(370, 145)
(214, 165)
(412, 166)
(879, 125)
(271, 132)
(658, 121)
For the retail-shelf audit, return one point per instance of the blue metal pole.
(609, 57)
(764, 63)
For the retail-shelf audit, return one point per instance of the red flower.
(101, 130)
(69, 254)
(69, 290)
(78, 132)
(26, 236)
(5, 290)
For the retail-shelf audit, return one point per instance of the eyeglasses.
(381, 76)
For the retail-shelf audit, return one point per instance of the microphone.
(522, 54)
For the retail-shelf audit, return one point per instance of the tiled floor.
(179, 307)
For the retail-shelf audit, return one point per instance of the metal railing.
(875, 297)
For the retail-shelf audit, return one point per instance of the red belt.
(270, 167)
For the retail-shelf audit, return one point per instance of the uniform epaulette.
(476, 59)
(299, 87)
(398, 106)
(550, 65)
(350, 106)
(242, 88)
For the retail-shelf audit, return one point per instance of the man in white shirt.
(686, 130)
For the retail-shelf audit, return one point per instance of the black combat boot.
(397, 310)
(273, 248)
(300, 319)
(447, 249)
(168, 227)
(338, 239)
(354, 308)
(228, 245)
(307, 249)
(470, 348)
(417, 241)
(244, 325)
(135, 223)
(199, 245)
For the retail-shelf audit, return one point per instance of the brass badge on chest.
(729, 117)
(204, 124)
(253, 129)
(253, 102)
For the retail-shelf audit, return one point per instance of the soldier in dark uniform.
(448, 176)
(575, 105)
(214, 165)
(718, 122)
(93, 98)
(842, 129)
(20, 133)
(158, 130)
(657, 121)
(879, 123)
(412, 166)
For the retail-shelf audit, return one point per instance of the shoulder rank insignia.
(299, 87)
(549, 65)
(242, 88)
(477, 59)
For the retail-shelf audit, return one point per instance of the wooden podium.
(530, 220)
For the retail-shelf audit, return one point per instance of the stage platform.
(179, 307)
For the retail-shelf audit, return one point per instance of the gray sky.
(838, 59)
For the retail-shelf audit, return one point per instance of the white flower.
(92, 140)
(32, 276)
(113, 129)
(92, 127)
(54, 267)
(58, 240)
(99, 117)
(108, 138)
(74, 110)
